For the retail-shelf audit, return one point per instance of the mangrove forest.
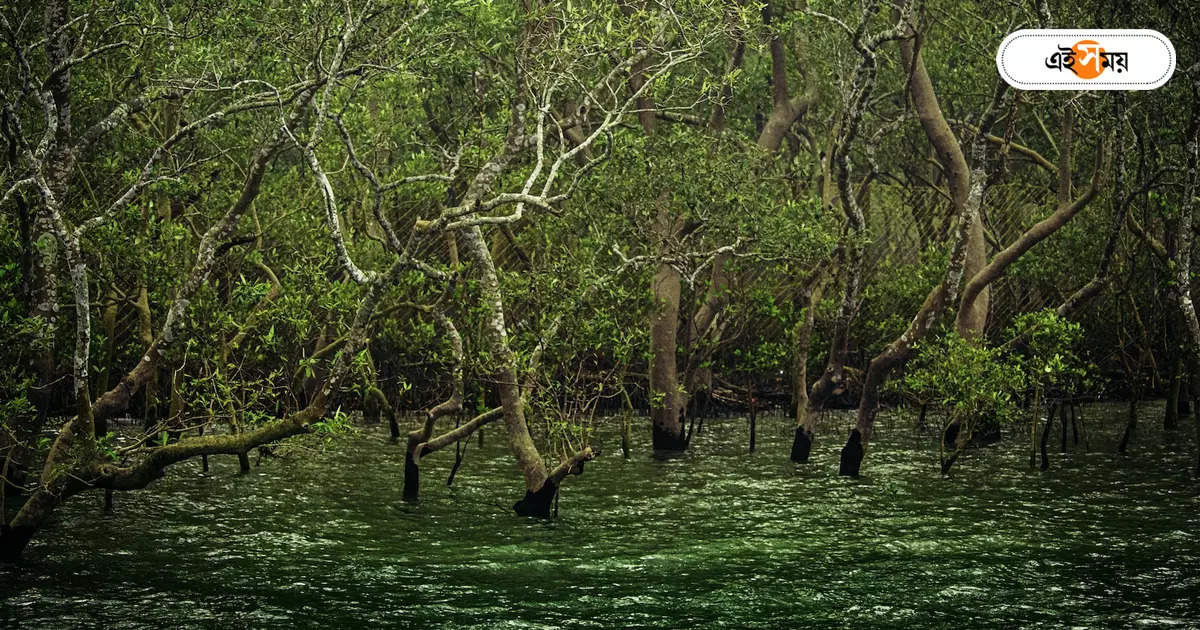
(644, 313)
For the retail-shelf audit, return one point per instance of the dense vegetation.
(249, 224)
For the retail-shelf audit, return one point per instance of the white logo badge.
(1071, 59)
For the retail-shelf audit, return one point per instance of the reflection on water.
(716, 537)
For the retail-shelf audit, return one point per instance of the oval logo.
(1071, 59)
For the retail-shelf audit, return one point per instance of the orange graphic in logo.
(1090, 59)
(1087, 59)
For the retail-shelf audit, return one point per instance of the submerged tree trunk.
(1075, 423)
(420, 441)
(674, 395)
(626, 419)
(852, 455)
(1033, 423)
(957, 438)
(203, 458)
(541, 484)
(703, 334)
(538, 495)
(1175, 398)
(802, 439)
(1054, 408)
(1130, 426)
(1070, 408)
(666, 400)
(892, 356)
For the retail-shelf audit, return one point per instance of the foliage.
(1048, 354)
(971, 381)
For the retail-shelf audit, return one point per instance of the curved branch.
(1034, 235)
(573, 465)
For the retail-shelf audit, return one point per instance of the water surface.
(716, 537)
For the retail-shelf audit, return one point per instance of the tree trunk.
(1074, 424)
(146, 338)
(786, 109)
(421, 441)
(1130, 425)
(108, 323)
(895, 354)
(966, 187)
(45, 307)
(1033, 423)
(370, 410)
(703, 335)
(412, 477)
(538, 503)
(665, 399)
(504, 374)
(852, 455)
(957, 437)
(1055, 407)
(803, 439)
(1070, 408)
(626, 418)
(1174, 391)
(394, 427)
(203, 458)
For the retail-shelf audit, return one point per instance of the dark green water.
(714, 538)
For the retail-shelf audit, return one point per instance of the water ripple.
(716, 537)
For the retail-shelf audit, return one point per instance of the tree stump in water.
(537, 504)
(1046, 433)
(1074, 424)
(852, 455)
(412, 478)
(1130, 427)
(753, 422)
(625, 437)
(801, 445)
